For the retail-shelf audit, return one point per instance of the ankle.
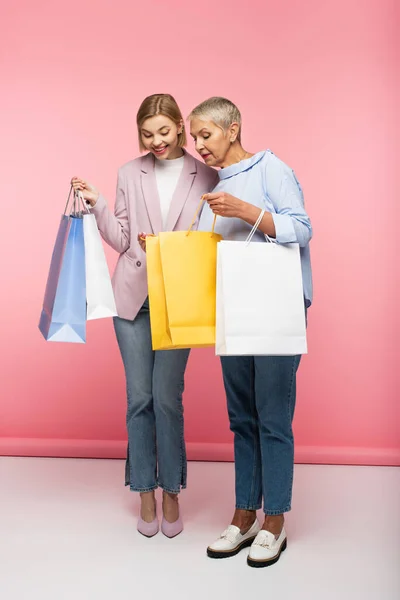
(170, 507)
(244, 519)
(274, 524)
(148, 506)
(168, 497)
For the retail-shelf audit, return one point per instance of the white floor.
(67, 531)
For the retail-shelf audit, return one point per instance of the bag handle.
(68, 199)
(255, 227)
(196, 215)
(74, 208)
(84, 205)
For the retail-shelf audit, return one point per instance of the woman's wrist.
(93, 201)
(248, 212)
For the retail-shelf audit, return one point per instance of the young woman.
(260, 390)
(157, 192)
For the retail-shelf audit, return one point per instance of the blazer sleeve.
(114, 227)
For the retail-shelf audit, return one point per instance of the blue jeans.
(261, 397)
(155, 382)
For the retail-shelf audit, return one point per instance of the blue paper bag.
(63, 317)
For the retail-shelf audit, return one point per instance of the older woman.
(260, 390)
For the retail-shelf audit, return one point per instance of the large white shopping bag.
(260, 304)
(99, 293)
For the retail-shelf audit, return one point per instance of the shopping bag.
(63, 318)
(260, 304)
(181, 272)
(99, 292)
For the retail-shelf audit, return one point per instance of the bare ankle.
(274, 523)
(244, 519)
(148, 506)
(170, 507)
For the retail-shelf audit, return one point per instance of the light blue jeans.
(155, 381)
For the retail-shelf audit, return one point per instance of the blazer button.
(138, 263)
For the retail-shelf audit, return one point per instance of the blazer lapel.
(150, 193)
(182, 190)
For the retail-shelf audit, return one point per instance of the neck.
(235, 154)
(178, 153)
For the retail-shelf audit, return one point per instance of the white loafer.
(266, 549)
(231, 541)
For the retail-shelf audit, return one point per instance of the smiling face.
(211, 141)
(159, 135)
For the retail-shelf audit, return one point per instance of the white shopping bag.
(260, 304)
(99, 292)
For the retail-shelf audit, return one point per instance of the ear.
(233, 131)
(181, 126)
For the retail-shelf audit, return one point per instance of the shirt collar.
(243, 165)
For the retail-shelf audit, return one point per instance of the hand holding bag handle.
(197, 214)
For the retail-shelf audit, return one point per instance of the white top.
(167, 175)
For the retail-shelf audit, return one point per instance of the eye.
(206, 136)
(146, 135)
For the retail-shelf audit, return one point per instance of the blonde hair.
(160, 104)
(219, 110)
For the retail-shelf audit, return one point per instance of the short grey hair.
(219, 110)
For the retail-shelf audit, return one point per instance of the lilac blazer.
(137, 209)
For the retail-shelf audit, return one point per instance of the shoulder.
(278, 173)
(273, 163)
(134, 166)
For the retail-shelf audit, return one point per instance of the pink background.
(316, 83)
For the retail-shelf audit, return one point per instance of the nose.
(157, 142)
(199, 145)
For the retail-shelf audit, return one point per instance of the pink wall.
(316, 83)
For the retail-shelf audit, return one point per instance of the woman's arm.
(290, 222)
(114, 227)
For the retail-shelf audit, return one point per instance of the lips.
(160, 150)
(205, 156)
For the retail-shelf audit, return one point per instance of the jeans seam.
(254, 423)
(142, 490)
(169, 490)
(248, 506)
(280, 511)
(182, 438)
(290, 395)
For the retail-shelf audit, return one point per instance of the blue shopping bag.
(63, 317)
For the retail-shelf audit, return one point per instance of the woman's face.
(211, 142)
(159, 136)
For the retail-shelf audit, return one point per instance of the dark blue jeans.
(261, 397)
(154, 419)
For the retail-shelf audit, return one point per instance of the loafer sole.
(227, 553)
(269, 561)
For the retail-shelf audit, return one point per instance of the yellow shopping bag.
(181, 273)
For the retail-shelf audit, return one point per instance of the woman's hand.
(225, 205)
(89, 192)
(142, 240)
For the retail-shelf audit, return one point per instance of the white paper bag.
(260, 305)
(99, 292)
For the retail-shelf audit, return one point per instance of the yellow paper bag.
(181, 272)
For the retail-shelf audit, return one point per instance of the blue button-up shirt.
(265, 181)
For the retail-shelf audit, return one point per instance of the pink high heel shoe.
(148, 529)
(171, 530)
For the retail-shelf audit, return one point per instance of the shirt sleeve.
(292, 224)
